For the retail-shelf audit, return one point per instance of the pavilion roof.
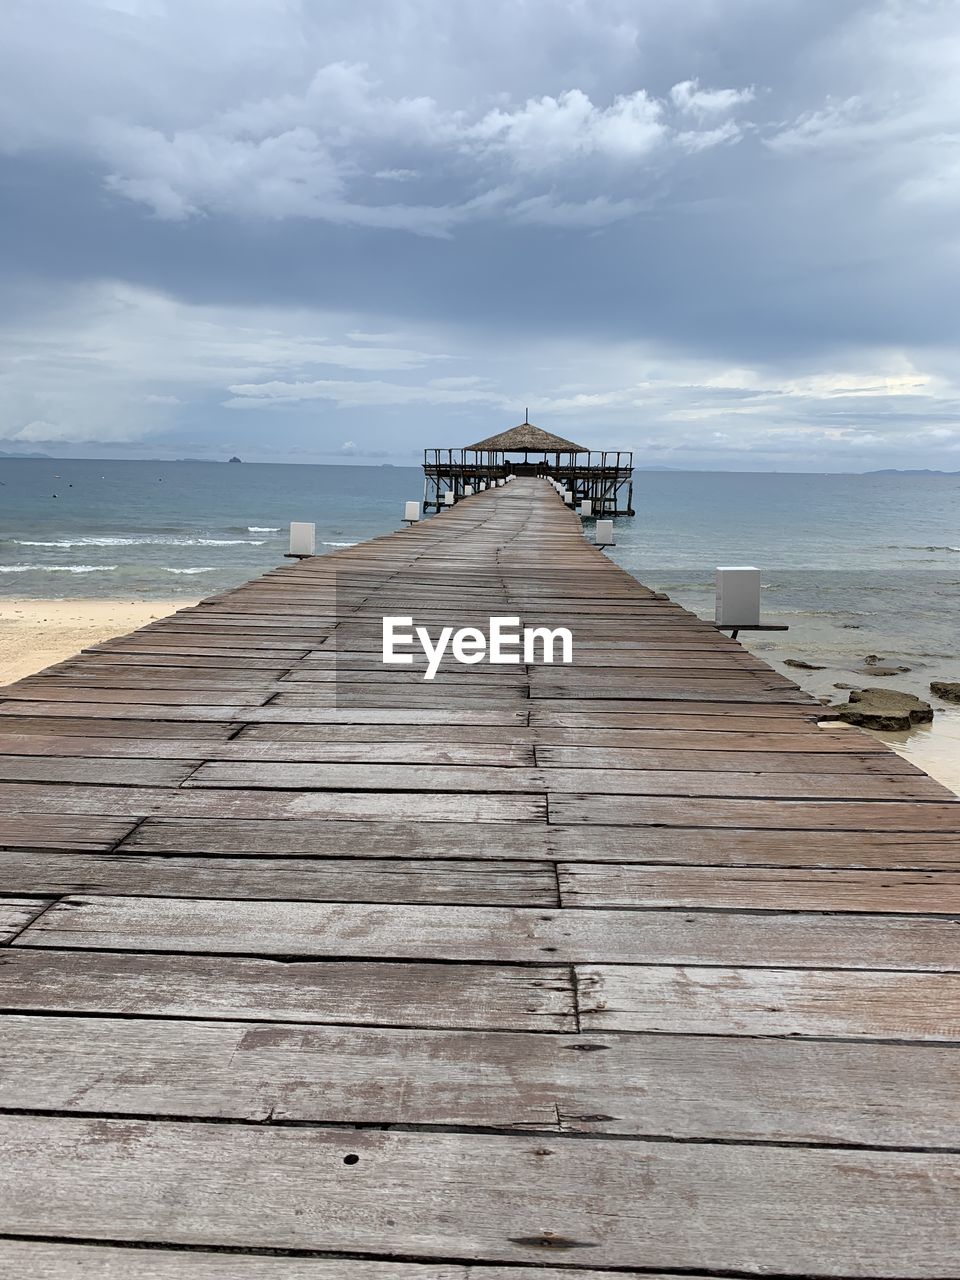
(526, 438)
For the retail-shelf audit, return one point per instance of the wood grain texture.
(41, 1260)
(770, 1002)
(319, 929)
(731, 846)
(16, 913)
(762, 889)
(285, 837)
(442, 1195)
(782, 815)
(33, 830)
(464, 881)
(679, 1086)
(134, 801)
(434, 751)
(506, 997)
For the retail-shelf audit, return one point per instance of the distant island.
(234, 459)
(6, 454)
(910, 471)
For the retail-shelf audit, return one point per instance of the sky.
(721, 233)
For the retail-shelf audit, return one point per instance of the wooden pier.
(312, 970)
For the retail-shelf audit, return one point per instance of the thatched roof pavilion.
(526, 438)
(603, 478)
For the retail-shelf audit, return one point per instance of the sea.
(855, 565)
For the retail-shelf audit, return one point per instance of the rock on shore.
(949, 690)
(884, 709)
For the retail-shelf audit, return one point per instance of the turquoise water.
(854, 564)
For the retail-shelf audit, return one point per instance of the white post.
(605, 533)
(468, 490)
(586, 507)
(448, 498)
(567, 497)
(411, 512)
(738, 596)
(303, 539)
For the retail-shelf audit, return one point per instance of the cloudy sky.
(723, 233)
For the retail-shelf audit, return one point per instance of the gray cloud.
(721, 232)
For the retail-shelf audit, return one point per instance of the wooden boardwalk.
(312, 970)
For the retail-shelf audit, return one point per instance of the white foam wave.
(338, 544)
(67, 543)
(258, 528)
(57, 568)
(194, 569)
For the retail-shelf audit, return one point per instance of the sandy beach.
(37, 633)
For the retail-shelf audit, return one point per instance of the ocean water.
(854, 564)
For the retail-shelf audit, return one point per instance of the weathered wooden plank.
(490, 1197)
(304, 734)
(43, 1260)
(113, 713)
(783, 815)
(189, 710)
(723, 1088)
(739, 847)
(616, 783)
(504, 883)
(118, 773)
(16, 914)
(28, 724)
(92, 674)
(433, 751)
(368, 777)
(620, 714)
(742, 759)
(592, 884)
(199, 803)
(424, 932)
(908, 784)
(716, 740)
(496, 997)
(770, 1002)
(28, 830)
(46, 691)
(328, 838)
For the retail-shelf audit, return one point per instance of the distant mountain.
(656, 467)
(5, 454)
(910, 471)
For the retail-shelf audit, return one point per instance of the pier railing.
(604, 477)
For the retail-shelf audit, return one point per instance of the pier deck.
(312, 970)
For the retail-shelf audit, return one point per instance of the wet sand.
(37, 633)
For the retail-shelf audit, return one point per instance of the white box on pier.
(303, 538)
(738, 596)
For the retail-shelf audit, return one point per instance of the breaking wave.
(67, 543)
(57, 568)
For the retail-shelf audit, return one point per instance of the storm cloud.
(719, 232)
